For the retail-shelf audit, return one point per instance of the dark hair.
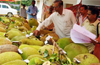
(51, 9)
(99, 9)
(85, 7)
(94, 10)
(60, 2)
(33, 1)
(24, 5)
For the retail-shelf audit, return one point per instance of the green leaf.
(46, 54)
(53, 57)
(0, 19)
(58, 59)
(68, 60)
(13, 22)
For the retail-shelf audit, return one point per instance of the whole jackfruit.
(9, 56)
(36, 55)
(35, 61)
(73, 50)
(8, 47)
(32, 42)
(15, 62)
(18, 38)
(33, 22)
(27, 51)
(85, 59)
(14, 32)
(63, 42)
(4, 41)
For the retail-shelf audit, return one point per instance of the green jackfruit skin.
(62, 42)
(35, 61)
(73, 49)
(27, 51)
(86, 59)
(15, 62)
(9, 56)
(33, 22)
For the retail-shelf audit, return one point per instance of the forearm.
(41, 25)
(28, 11)
(44, 24)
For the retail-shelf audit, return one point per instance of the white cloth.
(81, 20)
(23, 12)
(62, 23)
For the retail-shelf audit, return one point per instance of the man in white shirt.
(62, 19)
(23, 12)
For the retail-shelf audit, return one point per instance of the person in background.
(99, 15)
(32, 11)
(63, 20)
(23, 12)
(92, 21)
(83, 11)
(91, 25)
(46, 15)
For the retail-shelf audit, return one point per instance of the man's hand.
(36, 32)
(32, 14)
(94, 41)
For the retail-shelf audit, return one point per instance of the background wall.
(90, 2)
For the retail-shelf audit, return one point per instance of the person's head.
(93, 13)
(83, 9)
(23, 5)
(33, 2)
(51, 8)
(58, 5)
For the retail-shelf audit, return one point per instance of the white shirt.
(62, 23)
(23, 12)
(81, 20)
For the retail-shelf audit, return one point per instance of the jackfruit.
(4, 41)
(33, 22)
(9, 56)
(62, 42)
(27, 51)
(73, 49)
(85, 59)
(15, 62)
